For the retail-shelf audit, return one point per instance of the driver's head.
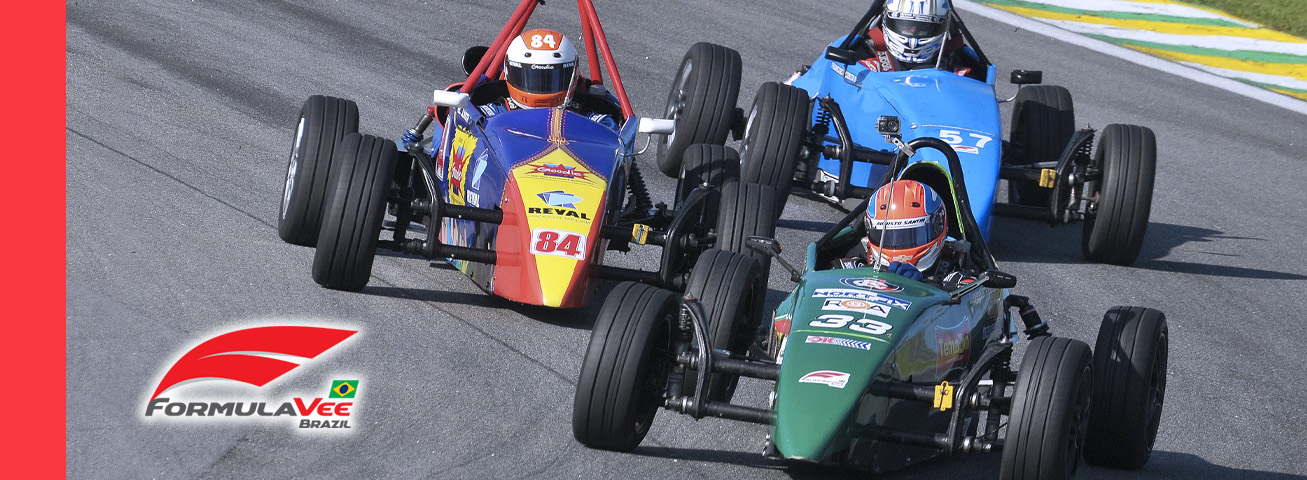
(540, 67)
(906, 222)
(915, 30)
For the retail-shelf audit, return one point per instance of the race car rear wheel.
(1043, 120)
(1127, 161)
(624, 374)
(723, 282)
(714, 165)
(702, 102)
(355, 207)
(1050, 410)
(773, 136)
(1129, 387)
(323, 121)
(747, 209)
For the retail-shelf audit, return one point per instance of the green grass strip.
(1254, 56)
(1214, 22)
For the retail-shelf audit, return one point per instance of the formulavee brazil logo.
(246, 356)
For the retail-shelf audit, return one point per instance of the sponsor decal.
(558, 171)
(826, 377)
(861, 295)
(899, 223)
(966, 149)
(953, 344)
(561, 243)
(855, 305)
(459, 158)
(481, 162)
(473, 198)
(559, 198)
(782, 324)
(557, 212)
(871, 284)
(843, 342)
(848, 76)
(254, 356)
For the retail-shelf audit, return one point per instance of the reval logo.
(254, 356)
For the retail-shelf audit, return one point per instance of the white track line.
(1230, 85)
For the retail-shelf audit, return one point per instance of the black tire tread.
(1127, 155)
(327, 121)
(724, 283)
(1050, 374)
(710, 108)
(1121, 427)
(354, 210)
(772, 143)
(1043, 121)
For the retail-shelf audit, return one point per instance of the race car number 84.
(864, 325)
(558, 242)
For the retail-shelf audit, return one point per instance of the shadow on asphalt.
(1032, 241)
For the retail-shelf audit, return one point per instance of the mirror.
(1027, 77)
(472, 57)
(840, 55)
(446, 98)
(657, 126)
(764, 245)
(997, 279)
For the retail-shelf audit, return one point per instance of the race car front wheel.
(355, 207)
(1129, 387)
(1127, 162)
(1050, 410)
(702, 102)
(747, 209)
(624, 374)
(723, 282)
(773, 136)
(714, 165)
(1043, 120)
(323, 121)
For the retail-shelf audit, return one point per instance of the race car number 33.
(560, 243)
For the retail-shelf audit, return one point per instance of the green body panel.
(835, 324)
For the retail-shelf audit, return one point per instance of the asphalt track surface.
(179, 116)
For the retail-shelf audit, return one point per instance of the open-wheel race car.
(876, 370)
(814, 131)
(524, 201)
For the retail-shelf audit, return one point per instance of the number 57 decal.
(864, 325)
(972, 143)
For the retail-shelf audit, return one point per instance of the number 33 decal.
(558, 242)
(865, 325)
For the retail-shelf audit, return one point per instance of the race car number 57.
(560, 243)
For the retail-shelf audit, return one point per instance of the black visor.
(536, 78)
(914, 28)
(909, 233)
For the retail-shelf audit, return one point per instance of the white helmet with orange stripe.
(540, 67)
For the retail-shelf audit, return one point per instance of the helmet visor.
(914, 28)
(897, 234)
(540, 78)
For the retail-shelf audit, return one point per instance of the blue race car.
(819, 131)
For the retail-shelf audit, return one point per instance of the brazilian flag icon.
(344, 388)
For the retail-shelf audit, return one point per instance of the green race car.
(873, 369)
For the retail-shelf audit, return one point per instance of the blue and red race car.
(525, 201)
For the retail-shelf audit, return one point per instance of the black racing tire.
(355, 208)
(624, 374)
(1050, 411)
(1043, 121)
(773, 136)
(1127, 160)
(701, 102)
(747, 209)
(1129, 387)
(723, 282)
(714, 165)
(323, 121)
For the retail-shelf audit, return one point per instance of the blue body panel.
(931, 103)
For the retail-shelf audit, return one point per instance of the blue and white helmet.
(915, 29)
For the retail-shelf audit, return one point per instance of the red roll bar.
(591, 31)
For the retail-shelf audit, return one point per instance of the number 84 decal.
(960, 143)
(864, 325)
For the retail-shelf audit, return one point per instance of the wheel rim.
(748, 133)
(676, 101)
(291, 168)
(1156, 391)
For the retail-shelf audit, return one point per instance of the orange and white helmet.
(540, 67)
(906, 222)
